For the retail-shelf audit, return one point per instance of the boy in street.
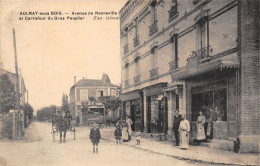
(118, 135)
(95, 137)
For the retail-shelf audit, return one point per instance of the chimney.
(75, 80)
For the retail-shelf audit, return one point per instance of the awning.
(96, 106)
(229, 61)
(173, 87)
(156, 89)
(130, 95)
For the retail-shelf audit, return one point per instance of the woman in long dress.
(184, 129)
(129, 123)
(200, 127)
(125, 135)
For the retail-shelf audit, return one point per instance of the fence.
(10, 126)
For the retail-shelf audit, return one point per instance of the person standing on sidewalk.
(95, 137)
(129, 128)
(176, 123)
(118, 135)
(125, 135)
(184, 130)
(213, 117)
(200, 127)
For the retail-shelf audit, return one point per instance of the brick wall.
(249, 51)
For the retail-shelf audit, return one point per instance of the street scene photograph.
(129, 82)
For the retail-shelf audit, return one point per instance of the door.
(132, 114)
(148, 114)
(232, 109)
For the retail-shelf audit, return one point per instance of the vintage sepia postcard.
(129, 82)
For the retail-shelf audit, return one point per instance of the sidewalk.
(30, 134)
(194, 153)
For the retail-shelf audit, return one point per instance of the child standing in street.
(138, 136)
(95, 137)
(118, 135)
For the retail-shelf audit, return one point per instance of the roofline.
(120, 11)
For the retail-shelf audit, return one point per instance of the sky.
(51, 52)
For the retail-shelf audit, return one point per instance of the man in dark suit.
(176, 123)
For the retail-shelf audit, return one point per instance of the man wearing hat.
(176, 124)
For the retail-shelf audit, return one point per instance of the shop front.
(133, 108)
(212, 88)
(156, 109)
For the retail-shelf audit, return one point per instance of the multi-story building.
(87, 91)
(192, 56)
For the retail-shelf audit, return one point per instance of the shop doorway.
(215, 99)
(132, 114)
(157, 114)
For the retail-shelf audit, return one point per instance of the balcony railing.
(154, 73)
(137, 79)
(153, 27)
(126, 49)
(202, 53)
(126, 83)
(173, 65)
(136, 40)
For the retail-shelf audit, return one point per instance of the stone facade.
(181, 49)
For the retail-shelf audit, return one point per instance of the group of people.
(181, 127)
(205, 124)
(123, 131)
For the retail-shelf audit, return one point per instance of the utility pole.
(17, 75)
(19, 127)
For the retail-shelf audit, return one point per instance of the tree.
(65, 103)
(45, 114)
(7, 94)
(28, 110)
(110, 103)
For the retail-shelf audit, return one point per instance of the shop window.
(205, 101)
(157, 121)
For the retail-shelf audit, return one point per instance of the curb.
(180, 157)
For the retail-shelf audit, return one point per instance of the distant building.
(88, 91)
(191, 56)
